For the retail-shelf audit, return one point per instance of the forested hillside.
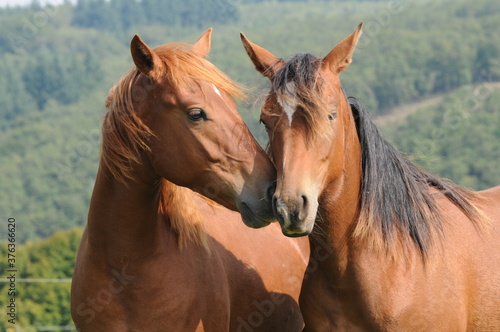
(457, 138)
(58, 62)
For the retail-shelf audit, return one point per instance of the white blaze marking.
(216, 90)
(287, 104)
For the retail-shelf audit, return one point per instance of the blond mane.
(177, 208)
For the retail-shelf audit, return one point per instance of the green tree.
(64, 77)
(42, 77)
(129, 13)
(487, 62)
(13, 96)
(43, 304)
(93, 14)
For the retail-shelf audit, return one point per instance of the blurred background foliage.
(427, 70)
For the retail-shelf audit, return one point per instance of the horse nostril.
(270, 192)
(280, 209)
(304, 208)
(305, 202)
(274, 200)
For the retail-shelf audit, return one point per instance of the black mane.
(300, 69)
(397, 195)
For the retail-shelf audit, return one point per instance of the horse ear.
(202, 45)
(146, 60)
(341, 55)
(265, 62)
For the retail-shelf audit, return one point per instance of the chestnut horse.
(156, 256)
(402, 250)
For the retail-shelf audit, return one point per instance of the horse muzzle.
(294, 216)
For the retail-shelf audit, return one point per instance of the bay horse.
(401, 249)
(157, 256)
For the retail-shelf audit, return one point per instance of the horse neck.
(339, 202)
(123, 218)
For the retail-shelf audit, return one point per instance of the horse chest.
(372, 296)
(166, 293)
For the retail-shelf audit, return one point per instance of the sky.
(12, 3)
(5, 3)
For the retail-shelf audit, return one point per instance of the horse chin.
(296, 234)
(303, 229)
(251, 219)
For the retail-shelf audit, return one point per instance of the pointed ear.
(146, 60)
(341, 55)
(202, 45)
(265, 62)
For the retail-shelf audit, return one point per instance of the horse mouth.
(250, 218)
(297, 229)
(295, 233)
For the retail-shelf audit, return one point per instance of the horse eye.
(197, 114)
(332, 116)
